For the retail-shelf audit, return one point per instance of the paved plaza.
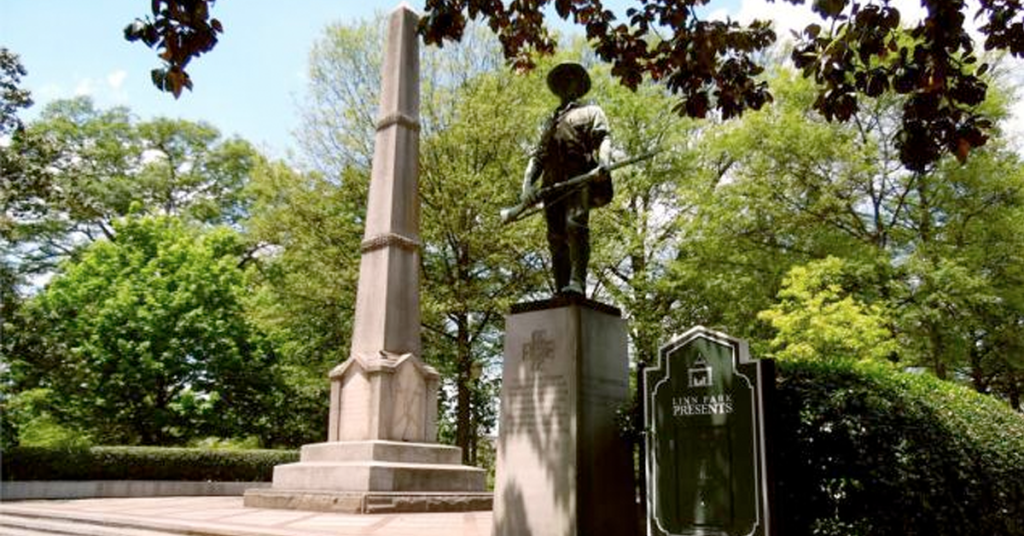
(220, 516)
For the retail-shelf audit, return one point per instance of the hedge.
(142, 463)
(866, 449)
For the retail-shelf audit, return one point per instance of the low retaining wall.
(86, 489)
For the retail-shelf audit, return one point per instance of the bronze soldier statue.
(575, 142)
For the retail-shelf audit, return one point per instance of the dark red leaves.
(180, 30)
(711, 65)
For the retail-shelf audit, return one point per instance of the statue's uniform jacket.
(568, 148)
(570, 142)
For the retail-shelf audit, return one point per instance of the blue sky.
(249, 85)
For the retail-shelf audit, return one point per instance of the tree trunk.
(1014, 393)
(978, 380)
(464, 365)
(939, 364)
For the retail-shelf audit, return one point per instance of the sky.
(253, 81)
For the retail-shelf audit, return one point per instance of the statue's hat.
(569, 79)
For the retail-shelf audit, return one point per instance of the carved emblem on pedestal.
(538, 350)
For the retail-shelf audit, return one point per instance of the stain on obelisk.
(384, 390)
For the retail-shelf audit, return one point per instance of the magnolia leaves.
(181, 30)
(933, 64)
(710, 64)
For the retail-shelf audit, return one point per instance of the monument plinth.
(380, 453)
(563, 469)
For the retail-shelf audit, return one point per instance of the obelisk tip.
(404, 6)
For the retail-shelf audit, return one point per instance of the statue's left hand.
(528, 193)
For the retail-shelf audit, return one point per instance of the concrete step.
(17, 531)
(18, 525)
(382, 451)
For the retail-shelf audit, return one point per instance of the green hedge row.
(142, 463)
(865, 449)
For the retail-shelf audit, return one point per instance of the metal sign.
(707, 469)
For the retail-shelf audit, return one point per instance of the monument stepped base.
(373, 502)
(375, 477)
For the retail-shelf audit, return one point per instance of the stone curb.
(90, 489)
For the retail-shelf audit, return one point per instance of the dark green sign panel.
(706, 463)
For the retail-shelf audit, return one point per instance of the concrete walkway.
(225, 516)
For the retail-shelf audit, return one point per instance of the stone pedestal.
(386, 397)
(563, 469)
(375, 477)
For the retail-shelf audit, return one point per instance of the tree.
(144, 340)
(711, 64)
(635, 236)
(936, 251)
(12, 97)
(817, 319)
(79, 168)
(182, 29)
(308, 229)
(474, 268)
(17, 172)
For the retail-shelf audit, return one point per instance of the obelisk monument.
(381, 453)
(371, 404)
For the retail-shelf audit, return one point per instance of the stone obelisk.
(381, 453)
(379, 401)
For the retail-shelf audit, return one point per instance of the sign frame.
(716, 429)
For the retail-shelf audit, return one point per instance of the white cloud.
(788, 17)
(116, 79)
(105, 91)
(85, 86)
(115, 85)
(48, 93)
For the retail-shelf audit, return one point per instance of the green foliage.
(32, 420)
(78, 168)
(12, 97)
(304, 283)
(473, 267)
(861, 448)
(144, 339)
(309, 228)
(471, 157)
(933, 257)
(206, 443)
(816, 319)
(143, 463)
(634, 237)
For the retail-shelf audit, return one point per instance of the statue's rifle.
(528, 207)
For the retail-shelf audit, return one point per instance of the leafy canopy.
(816, 319)
(147, 340)
(712, 65)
